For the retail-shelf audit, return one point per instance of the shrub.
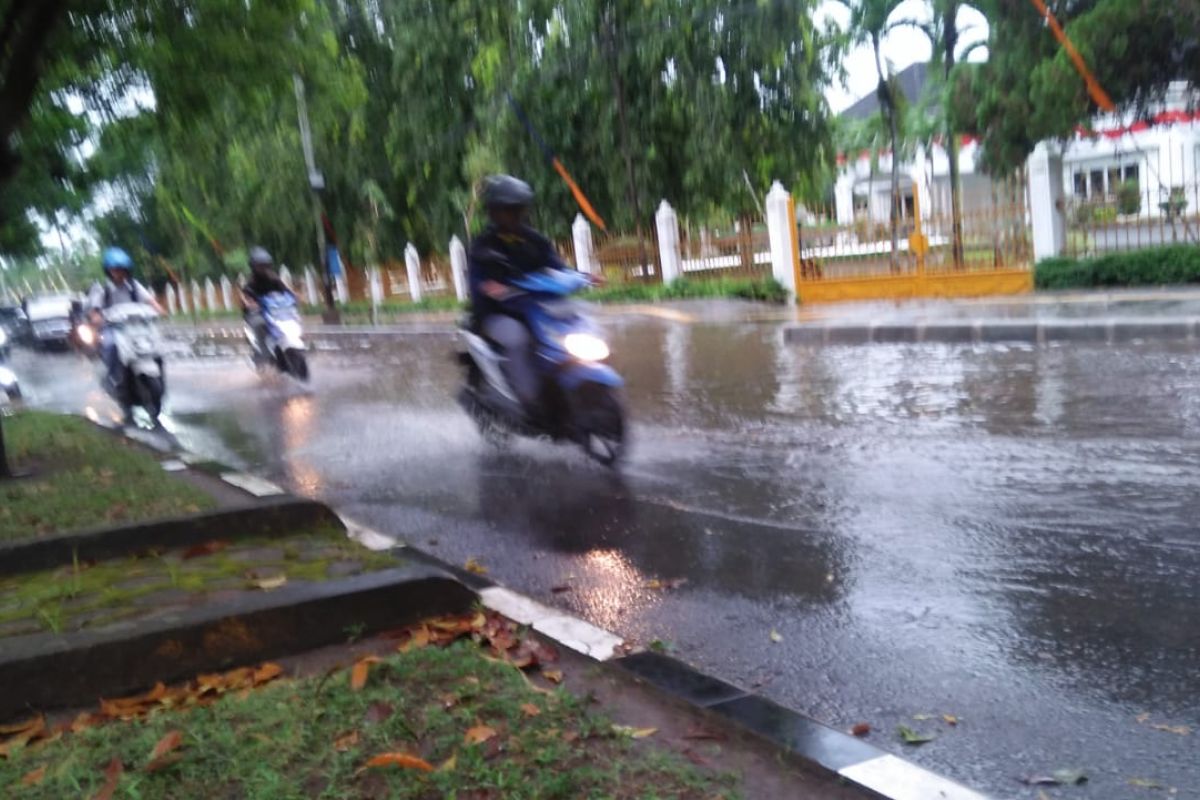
(1129, 198)
(1152, 267)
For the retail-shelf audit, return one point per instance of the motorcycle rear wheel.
(297, 364)
(600, 418)
(148, 392)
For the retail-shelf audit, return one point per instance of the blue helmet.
(116, 258)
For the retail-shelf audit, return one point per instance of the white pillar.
(781, 225)
(668, 243)
(585, 251)
(285, 275)
(458, 268)
(412, 260)
(227, 293)
(342, 290)
(195, 295)
(375, 285)
(918, 177)
(310, 287)
(172, 301)
(210, 294)
(1046, 200)
(185, 305)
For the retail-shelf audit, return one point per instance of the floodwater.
(1003, 534)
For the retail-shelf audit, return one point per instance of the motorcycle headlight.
(586, 347)
(289, 328)
(87, 335)
(7, 377)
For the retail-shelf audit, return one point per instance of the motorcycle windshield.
(280, 306)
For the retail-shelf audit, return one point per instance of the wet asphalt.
(1004, 534)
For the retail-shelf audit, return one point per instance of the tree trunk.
(950, 33)
(887, 104)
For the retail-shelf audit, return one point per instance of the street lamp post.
(316, 182)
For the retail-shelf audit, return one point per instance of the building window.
(1096, 184)
(1081, 186)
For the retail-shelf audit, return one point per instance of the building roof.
(912, 80)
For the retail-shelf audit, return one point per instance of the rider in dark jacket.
(507, 249)
(264, 280)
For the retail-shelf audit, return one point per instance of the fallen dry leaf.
(402, 760)
(345, 741)
(479, 734)
(205, 549)
(1178, 730)
(634, 733)
(776, 637)
(418, 637)
(267, 672)
(449, 764)
(553, 675)
(23, 726)
(112, 776)
(694, 757)
(165, 745)
(474, 567)
(861, 729)
(29, 731)
(530, 710)
(950, 719)
(358, 675)
(570, 736)
(268, 584)
(34, 777)
(1144, 717)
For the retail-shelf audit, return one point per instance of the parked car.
(50, 320)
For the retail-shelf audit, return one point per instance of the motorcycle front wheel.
(297, 364)
(600, 419)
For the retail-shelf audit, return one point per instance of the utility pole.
(316, 182)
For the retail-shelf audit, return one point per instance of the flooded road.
(1006, 535)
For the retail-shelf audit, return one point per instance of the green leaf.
(909, 736)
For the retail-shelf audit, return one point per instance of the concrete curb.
(1031, 332)
(275, 517)
(57, 671)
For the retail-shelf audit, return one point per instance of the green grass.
(762, 290)
(1157, 266)
(67, 598)
(277, 743)
(81, 477)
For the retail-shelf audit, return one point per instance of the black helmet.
(259, 258)
(505, 190)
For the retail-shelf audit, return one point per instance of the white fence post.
(375, 289)
(1046, 199)
(185, 305)
(210, 294)
(196, 295)
(285, 275)
(668, 243)
(412, 260)
(172, 301)
(458, 268)
(781, 225)
(310, 286)
(227, 292)
(585, 250)
(343, 291)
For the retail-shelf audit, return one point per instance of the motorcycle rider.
(118, 287)
(264, 280)
(507, 249)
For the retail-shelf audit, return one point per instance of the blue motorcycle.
(580, 395)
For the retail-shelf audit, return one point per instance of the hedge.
(1156, 266)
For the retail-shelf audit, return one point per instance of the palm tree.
(869, 23)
